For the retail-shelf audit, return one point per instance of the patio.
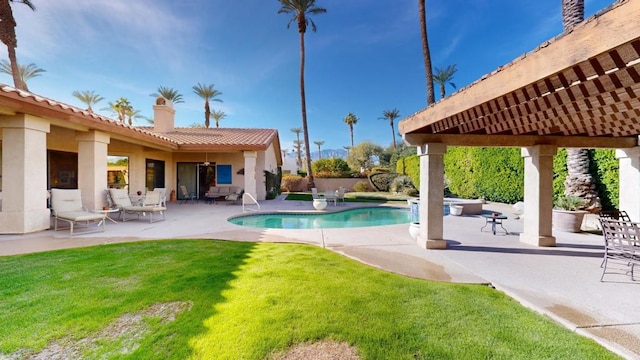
(561, 282)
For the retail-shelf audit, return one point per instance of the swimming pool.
(359, 217)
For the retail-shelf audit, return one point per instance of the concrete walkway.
(562, 282)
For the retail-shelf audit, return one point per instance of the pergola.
(578, 90)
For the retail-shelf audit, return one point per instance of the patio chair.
(331, 197)
(186, 195)
(163, 195)
(151, 204)
(314, 193)
(621, 244)
(340, 195)
(615, 215)
(235, 197)
(66, 205)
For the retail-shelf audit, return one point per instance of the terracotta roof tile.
(222, 138)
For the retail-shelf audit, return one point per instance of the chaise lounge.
(66, 205)
(150, 205)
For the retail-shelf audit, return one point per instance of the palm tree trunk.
(8, 37)
(393, 133)
(305, 130)
(351, 128)
(425, 53)
(442, 91)
(207, 114)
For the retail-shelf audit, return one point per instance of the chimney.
(163, 116)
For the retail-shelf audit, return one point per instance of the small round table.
(106, 213)
(494, 220)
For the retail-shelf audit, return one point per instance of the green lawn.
(249, 299)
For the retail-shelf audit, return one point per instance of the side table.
(494, 220)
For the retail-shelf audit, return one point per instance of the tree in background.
(8, 37)
(431, 98)
(217, 116)
(121, 108)
(207, 92)
(391, 116)
(348, 148)
(299, 11)
(89, 98)
(364, 155)
(443, 77)
(297, 146)
(25, 72)
(319, 143)
(579, 182)
(168, 93)
(351, 120)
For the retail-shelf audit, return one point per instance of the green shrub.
(291, 183)
(381, 181)
(410, 166)
(400, 183)
(273, 183)
(459, 167)
(607, 172)
(361, 186)
(413, 192)
(330, 168)
(559, 173)
(569, 203)
(379, 169)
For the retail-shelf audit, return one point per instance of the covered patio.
(578, 90)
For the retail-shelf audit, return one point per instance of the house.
(47, 144)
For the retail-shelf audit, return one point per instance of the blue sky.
(366, 56)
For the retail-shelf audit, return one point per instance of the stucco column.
(538, 195)
(629, 175)
(24, 174)
(431, 196)
(250, 176)
(92, 168)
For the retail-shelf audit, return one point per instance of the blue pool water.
(360, 217)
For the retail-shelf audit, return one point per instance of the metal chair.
(621, 244)
(186, 195)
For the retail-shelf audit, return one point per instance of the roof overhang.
(580, 89)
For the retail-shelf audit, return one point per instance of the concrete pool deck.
(561, 282)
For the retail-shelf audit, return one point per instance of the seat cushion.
(80, 216)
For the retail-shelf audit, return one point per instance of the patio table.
(494, 219)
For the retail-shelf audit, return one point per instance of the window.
(224, 174)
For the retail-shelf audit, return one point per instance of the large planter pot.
(567, 220)
(414, 230)
(320, 204)
(456, 210)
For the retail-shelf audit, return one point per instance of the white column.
(250, 176)
(538, 195)
(24, 175)
(431, 196)
(629, 175)
(92, 168)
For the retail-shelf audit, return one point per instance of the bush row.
(497, 174)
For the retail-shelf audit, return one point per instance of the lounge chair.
(235, 197)
(340, 195)
(150, 204)
(66, 205)
(621, 244)
(314, 193)
(163, 195)
(186, 195)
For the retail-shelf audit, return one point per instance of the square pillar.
(24, 174)
(92, 168)
(250, 176)
(431, 196)
(538, 195)
(629, 175)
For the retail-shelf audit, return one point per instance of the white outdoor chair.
(163, 195)
(151, 204)
(66, 205)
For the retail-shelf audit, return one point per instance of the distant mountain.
(330, 153)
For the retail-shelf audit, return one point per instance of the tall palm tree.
(297, 131)
(25, 72)
(8, 37)
(299, 11)
(168, 93)
(319, 143)
(391, 115)
(351, 120)
(579, 181)
(443, 77)
(297, 144)
(89, 98)
(218, 115)
(207, 92)
(431, 98)
(121, 108)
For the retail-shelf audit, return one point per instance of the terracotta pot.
(567, 220)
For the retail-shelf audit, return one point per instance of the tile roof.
(218, 139)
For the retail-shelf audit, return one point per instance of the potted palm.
(568, 213)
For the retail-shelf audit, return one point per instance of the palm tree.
(131, 114)
(25, 72)
(89, 98)
(218, 115)
(444, 76)
(319, 143)
(351, 120)
(299, 10)
(8, 37)
(168, 93)
(207, 92)
(391, 115)
(297, 131)
(579, 182)
(431, 98)
(297, 144)
(121, 107)
(347, 148)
